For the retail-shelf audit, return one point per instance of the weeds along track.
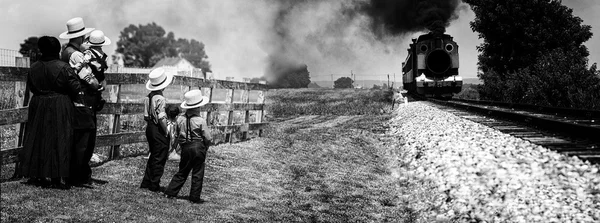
(570, 131)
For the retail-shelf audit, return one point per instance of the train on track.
(431, 67)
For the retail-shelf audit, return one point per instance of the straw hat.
(75, 28)
(96, 38)
(158, 79)
(193, 99)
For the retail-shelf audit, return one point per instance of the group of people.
(60, 134)
(189, 130)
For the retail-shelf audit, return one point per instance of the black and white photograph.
(409, 111)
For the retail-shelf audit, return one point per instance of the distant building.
(313, 85)
(180, 66)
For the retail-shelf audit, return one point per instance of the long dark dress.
(49, 132)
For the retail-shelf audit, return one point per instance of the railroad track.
(573, 132)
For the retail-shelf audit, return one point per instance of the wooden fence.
(115, 107)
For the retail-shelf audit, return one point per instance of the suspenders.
(150, 108)
(188, 131)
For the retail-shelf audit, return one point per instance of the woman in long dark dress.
(49, 132)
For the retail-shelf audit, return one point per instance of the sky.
(238, 34)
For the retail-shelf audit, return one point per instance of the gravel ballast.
(485, 175)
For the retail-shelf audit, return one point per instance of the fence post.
(208, 93)
(114, 120)
(229, 100)
(246, 100)
(260, 115)
(21, 100)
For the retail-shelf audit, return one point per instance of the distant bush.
(343, 82)
(469, 91)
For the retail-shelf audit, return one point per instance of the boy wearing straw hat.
(194, 138)
(156, 128)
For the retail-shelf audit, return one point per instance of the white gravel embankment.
(494, 177)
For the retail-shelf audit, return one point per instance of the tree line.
(144, 46)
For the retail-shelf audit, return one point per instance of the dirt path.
(310, 168)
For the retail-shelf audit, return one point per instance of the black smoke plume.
(283, 48)
(379, 20)
(395, 17)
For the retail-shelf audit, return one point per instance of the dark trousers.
(193, 155)
(159, 151)
(83, 149)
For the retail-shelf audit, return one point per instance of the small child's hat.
(97, 38)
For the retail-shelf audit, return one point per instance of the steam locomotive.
(431, 67)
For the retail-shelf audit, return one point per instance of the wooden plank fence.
(115, 107)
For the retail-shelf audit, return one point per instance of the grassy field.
(332, 163)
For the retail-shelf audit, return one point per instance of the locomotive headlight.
(438, 61)
(424, 48)
(449, 47)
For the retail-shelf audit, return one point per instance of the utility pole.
(388, 80)
(394, 79)
(332, 83)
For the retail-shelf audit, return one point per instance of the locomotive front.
(431, 67)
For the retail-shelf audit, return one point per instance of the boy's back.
(197, 130)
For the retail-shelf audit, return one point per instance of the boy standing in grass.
(194, 138)
(156, 129)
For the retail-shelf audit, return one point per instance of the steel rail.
(559, 126)
(586, 113)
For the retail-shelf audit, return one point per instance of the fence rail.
(117, 107)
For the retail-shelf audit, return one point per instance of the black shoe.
(83, 185)
(197, 200)
(60, 183)
(98, 181)
(61, 186)
(169, 196)
(36, 181)
(157, 189)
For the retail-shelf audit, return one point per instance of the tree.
(343, 82)
(290, 77)
(376, 87)
(517, 32)
(533, 52)
(193, 51)
(29, 48)
(145, 45)
(142, 45)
